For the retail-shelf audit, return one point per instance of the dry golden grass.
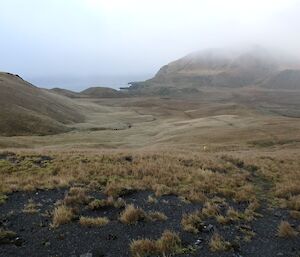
(222, 220)
(194, 177)
(132, 214)
(286, 230)
(3, 198)
(232, 214)
(157, 216)
(294, 202)
(295, 214)
(76, 196)
(218, 244)
(248, 235)
(192, 222)
(6, 235)
(163, 173)
(61, 215)
(143, 247)
(168, 244)
(210, 209)
(31, 207)
(97, 204)
(151, 199)
(93, 222)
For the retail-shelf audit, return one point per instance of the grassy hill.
(26, 109)
(224, 68)
(101, 92)
(66, 92)
(286, 79)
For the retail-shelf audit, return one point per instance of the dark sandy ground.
(35, 237)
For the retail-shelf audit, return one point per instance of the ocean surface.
(78, 84)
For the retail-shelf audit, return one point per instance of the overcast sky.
(77, 43)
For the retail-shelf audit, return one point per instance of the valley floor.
(208, 175)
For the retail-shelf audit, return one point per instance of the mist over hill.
(227, 68)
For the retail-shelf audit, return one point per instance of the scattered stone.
(18, 241)
(208, 228)
(198, 241)
(280, 254)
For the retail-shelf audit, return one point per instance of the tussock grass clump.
(233, 214)
(132, 214)
(222, 220)
(157, 216)
(3, 198)
(109, 202)
(294, 202)
(169, 243)
(192, 222)
(119, 203)
(245, 193)
(210, 209)
(143, 247)
(6, 236)
(62, 215)
(151, 199)
(76, 196)
(161, 189)
(93, 222)
(97, 204)
(218, 244)
(286, 230)
(295, 214)
(31, 207)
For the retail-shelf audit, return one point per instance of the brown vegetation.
(167, 244)
(192, 222)
(31, 207)
(218, 244)
(61, 215)
(132, 214)
(93, 222)
(286, 230)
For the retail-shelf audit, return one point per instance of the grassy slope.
(27, 110)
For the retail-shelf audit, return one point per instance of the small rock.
(198, 241)
(208, 228)
(18, 241)
(279, 254)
